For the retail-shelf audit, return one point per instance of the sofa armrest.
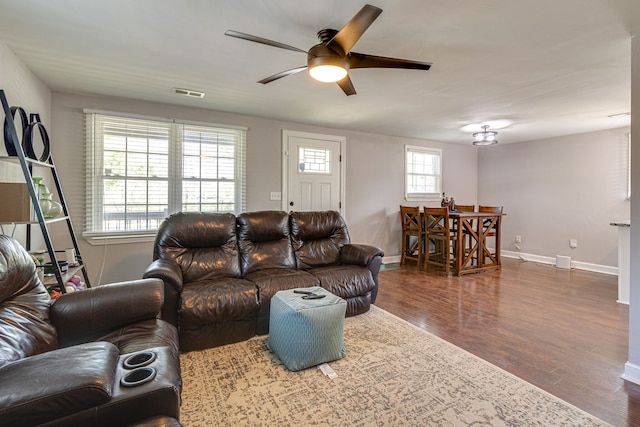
(57, 383)
(89, 314)
(359, 254)
(166, 270)
(366, 256)
(171, 275)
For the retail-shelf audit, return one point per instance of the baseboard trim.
(631, 373)
(395, 259)
(597, 268)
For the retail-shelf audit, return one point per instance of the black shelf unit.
(27, 164)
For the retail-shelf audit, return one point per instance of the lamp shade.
(485, 137)
(328, 73)
(325, 65)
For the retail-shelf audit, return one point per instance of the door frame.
(285, 164)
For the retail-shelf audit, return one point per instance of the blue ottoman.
(307, 332)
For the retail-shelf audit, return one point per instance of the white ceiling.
(548, 67)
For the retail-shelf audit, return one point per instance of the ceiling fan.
(331, 59)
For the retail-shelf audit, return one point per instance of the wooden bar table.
(472, 230)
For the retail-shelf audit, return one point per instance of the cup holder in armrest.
(139, 360)
(138, 377)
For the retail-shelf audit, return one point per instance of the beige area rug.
(394, 374)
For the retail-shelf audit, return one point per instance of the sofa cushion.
(210, 301)
(272, 280)
(317, 238)
(24, 306)
(344, 280)
(264, 241)
(203, 244)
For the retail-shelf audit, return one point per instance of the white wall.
(557, 189)
(374, 175)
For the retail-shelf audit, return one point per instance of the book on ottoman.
(304, 331)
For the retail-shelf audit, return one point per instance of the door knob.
(291, 203)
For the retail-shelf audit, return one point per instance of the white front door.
(312, 172)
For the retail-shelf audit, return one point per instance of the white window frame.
(94, 234)
(408, 172)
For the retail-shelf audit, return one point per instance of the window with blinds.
(139, 171)
(423, 173)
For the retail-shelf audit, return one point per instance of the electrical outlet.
(518, 238)
(573, 243)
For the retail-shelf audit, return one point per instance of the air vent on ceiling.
(189, 92)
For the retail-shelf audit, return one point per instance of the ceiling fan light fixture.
(328, 73)
(325, 65)
(485, 137)
(330, 60)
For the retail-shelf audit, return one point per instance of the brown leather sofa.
(220, 271)
(62, 363)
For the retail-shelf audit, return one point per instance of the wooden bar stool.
(413, 235)
(439, 237)
(492, 229)
(465, 208)
(466, 238)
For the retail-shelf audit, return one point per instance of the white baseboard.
(391, 259)
(631, 373)
(597, 268)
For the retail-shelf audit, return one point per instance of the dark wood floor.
(561, 330)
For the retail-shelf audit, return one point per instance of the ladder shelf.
(27, 164)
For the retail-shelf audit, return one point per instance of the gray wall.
(22, 89)
(374, 175)
(558, 189)
(551, 189)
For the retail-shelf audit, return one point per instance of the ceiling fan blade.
(361, 60)
(257, 39)
(346, 86)
(353, 30)
(282, 74)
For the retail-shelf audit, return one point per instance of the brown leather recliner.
(62, 362)
(220, 271)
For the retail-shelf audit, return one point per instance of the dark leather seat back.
(317, 238)
(203, 244)
(264, 241)
(24, 306)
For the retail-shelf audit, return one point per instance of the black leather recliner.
(62, 362)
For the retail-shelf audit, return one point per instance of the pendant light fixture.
(485, 137)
